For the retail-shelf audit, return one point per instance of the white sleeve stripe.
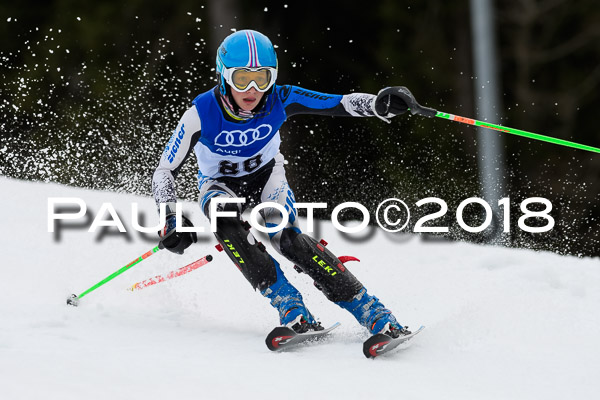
(180, 143)
(172, 158)
(358, 104)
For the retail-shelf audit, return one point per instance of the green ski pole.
(73, 300)
(518, 132)
(384, 98)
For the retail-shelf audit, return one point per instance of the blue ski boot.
(288, 301)
(373, 315)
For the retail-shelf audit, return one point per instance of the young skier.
(234, 131)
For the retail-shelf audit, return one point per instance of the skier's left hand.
(388, 104)
(396, 100)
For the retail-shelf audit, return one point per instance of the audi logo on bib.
(239, 138)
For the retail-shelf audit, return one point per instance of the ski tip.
(73, 300)
(373, 346)
(283, 337)
(380, 343)
(279, 336)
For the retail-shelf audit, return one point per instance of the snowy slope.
(501, 323)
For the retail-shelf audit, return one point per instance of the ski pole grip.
(424, 111)
(409, 99)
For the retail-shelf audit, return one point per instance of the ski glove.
(396, 100)
(174, 241)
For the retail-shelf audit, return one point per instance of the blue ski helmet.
(248, 50)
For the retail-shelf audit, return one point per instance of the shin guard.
(249, 255)
(313, 258)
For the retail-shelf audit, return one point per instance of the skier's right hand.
(174, 241)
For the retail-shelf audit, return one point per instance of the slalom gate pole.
(173, 274)
(73, 300)
(518, 132)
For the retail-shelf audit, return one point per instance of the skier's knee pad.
(218, 191)
(249, 255)
(330, 275)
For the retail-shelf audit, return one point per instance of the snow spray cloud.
(73, 111)
(392, 215)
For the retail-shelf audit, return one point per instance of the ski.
(381, 343)
(284, 338)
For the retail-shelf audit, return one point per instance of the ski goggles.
(243, 78)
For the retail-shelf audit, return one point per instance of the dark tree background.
(90, 93)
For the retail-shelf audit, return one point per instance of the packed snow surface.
(501, 323)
